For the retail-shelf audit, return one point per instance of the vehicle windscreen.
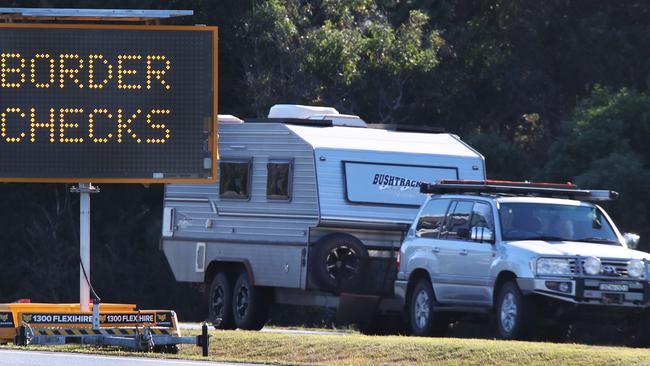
(555, 222)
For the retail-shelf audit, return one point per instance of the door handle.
(436, 250)
(463, 252)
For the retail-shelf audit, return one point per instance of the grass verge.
(356, 349)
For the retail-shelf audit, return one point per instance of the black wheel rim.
(218, 304)
(342, 263)
(242, 303)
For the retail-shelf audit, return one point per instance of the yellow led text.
(72, 70)
(77, 125)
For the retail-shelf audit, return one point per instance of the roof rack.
(557, 190)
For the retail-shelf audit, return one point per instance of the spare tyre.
(338, 263)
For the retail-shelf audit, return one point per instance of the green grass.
(356, 349)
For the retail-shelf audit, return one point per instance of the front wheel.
(422, 319)
(515, 314)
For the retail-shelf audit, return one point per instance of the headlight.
(592, 266)
(553, 266)
(635, 268)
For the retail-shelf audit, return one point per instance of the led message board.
(96, 103)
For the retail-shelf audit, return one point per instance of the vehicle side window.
(482, 216)
(233, 180)
(278, 179)
(431, 218)
(458, 221)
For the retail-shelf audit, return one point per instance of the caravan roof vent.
(293, 111)
(228, 118)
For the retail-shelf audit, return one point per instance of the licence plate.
(613, 287)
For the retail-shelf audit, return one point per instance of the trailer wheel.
(250, 304)
(220, 302)
(338, 262)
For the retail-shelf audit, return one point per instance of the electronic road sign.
(107, 103)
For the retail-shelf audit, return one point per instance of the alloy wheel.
(508, 312)
(422, 310)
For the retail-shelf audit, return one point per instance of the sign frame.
(212, 139)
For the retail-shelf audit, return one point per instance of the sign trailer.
(104, 104)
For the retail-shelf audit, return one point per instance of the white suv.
(534, 256)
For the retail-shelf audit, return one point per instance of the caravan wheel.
(250, 304)
(338, 262)
(220, 302)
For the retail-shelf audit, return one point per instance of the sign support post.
(84, 190)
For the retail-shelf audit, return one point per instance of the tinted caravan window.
(278, 180)
(233, 180)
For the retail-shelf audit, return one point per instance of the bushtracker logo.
(395, 181)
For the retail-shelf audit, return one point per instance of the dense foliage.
(552, 90)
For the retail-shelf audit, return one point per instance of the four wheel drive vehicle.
(536, 257)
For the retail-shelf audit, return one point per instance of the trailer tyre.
(250, 304)
(338, 262)
(220, 302)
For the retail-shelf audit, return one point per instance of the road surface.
(37, 358)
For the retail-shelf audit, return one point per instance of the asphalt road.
(33, 358)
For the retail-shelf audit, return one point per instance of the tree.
(343, 53)
(503, 159)
(602, 147)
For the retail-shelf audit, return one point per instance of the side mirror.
(632, 240)
(482, 234)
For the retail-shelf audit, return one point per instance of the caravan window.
(233, 180)
(278, 179)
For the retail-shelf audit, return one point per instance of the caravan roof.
(351, 138)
